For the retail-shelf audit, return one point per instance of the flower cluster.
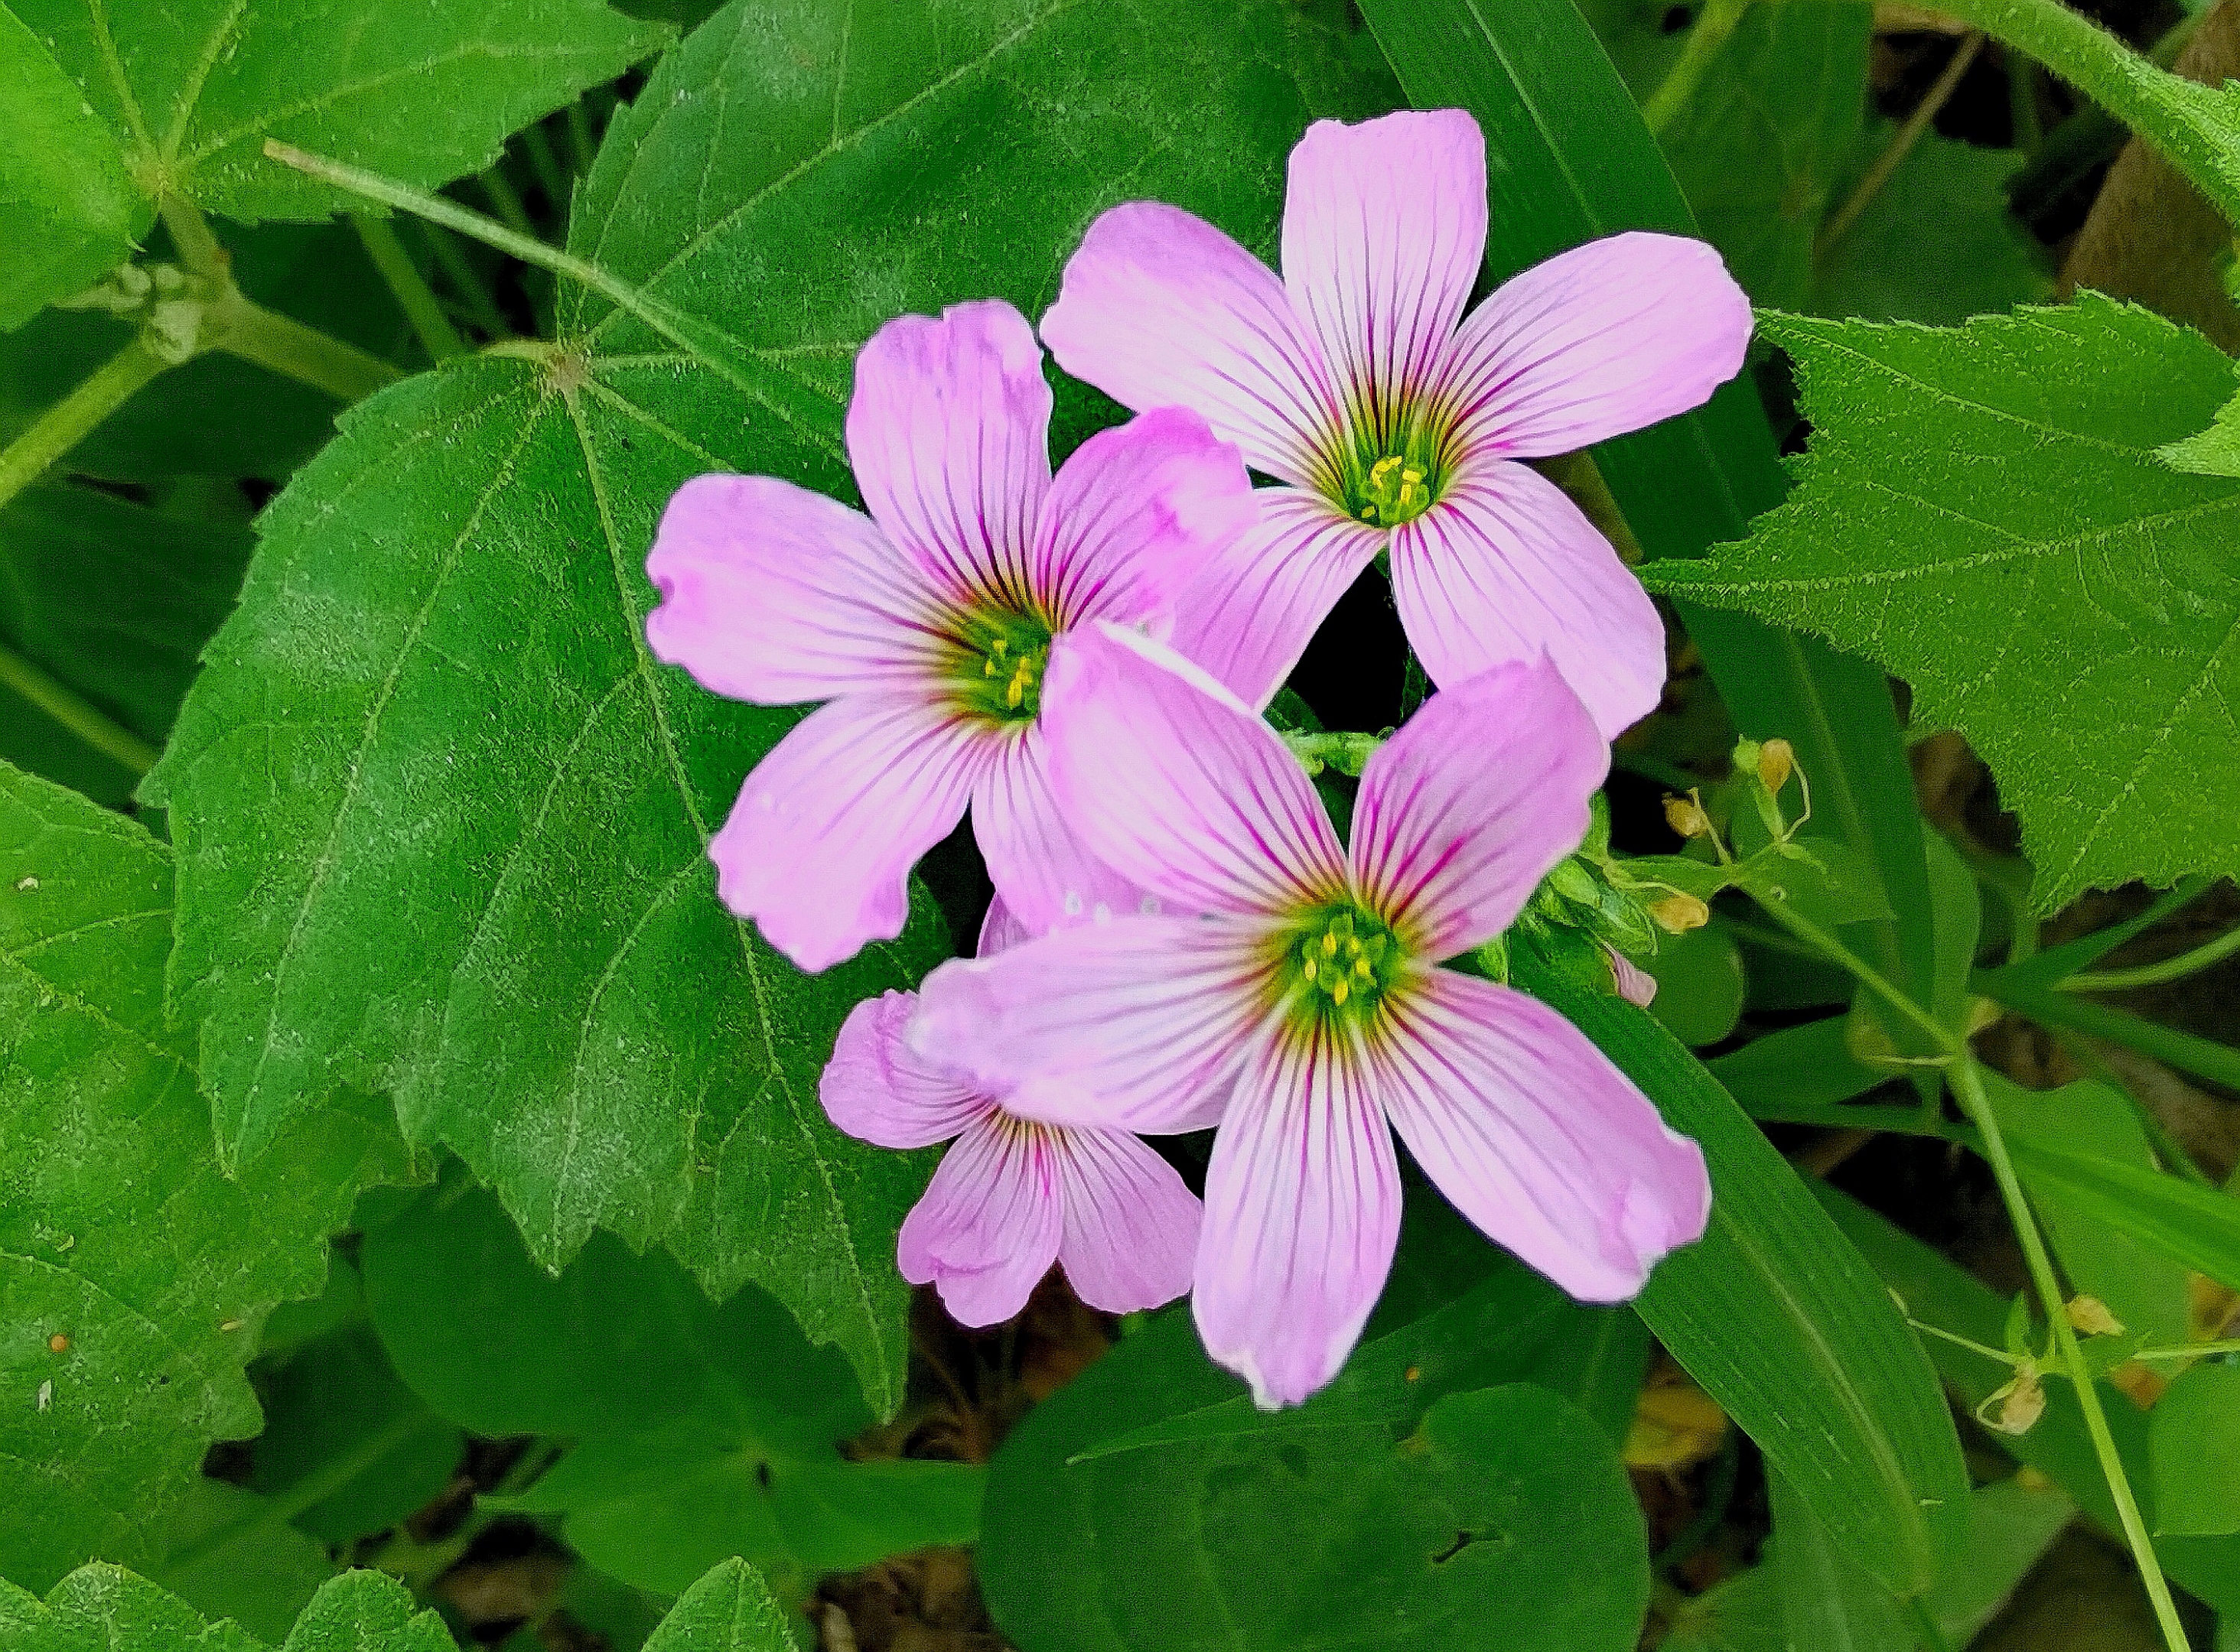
(1179, 939)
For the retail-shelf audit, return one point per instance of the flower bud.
(1686, 817)
(1775, 758)
(2016, 1406)
(2089, 1316)
(1679, 912)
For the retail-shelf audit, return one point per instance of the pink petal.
(1383, 229)
(1634, 984)
(1041, 870)
(1531, 1133)
(990, 1224)
(879, 1090)
(949, 432)
(1159, 309)
(1000, 930)
(1172, 782)
(819, 846)
(1302, 1215)
(1135, 514)
(1506, 567)
(1464, 811)
(1130, 1225)
(1135, 1024)
(1253, 612)
(1601, 340)
(774, 594)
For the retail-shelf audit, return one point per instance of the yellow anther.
(1330, 943)
(1352, 947)
(1411, 475)
(1015, 693)
(1361, 968)
(1369, 513)
(1308, 967)
(1339, 991)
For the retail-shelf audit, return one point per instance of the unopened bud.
(2018, 1405)
(1678, 912)
(1776, 759)
(1634, 984)
(1575, 883)
(2089, 1316)
(1686, 817)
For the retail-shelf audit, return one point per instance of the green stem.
(413, 297)
(1900, 145)
(459, 270)
(2153, 975)
(1974, 1347)
(2188, 1052)
(305, 354)
(63, 426)
(546, 165)
(197, 247)
(1968, 1087)
(2189, 123)
(581, 143)
(2055, 964)
(80, 717)
(2189, 1351)
(1715, 23)
(502, 196)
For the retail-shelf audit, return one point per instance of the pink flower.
(1307, 999)
(1012, 1195)
(1634, 984)
(926, 625)
(1397, 422)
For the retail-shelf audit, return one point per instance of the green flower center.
(1396, 471)
(1000, 658)
(1340, 961)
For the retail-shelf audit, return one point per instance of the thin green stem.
(1713, 25)
(437, 334)
(546, 165)
(1968, 1088)
(2189, 1351)
(1900, 145)
(2055, 962)
(502, 196)
(1954, 1048)
(2189, 124)
(1999, 1354)
(197, 247)
(2153, 975)
(581, 143)
(305, 354)
(466, 282)
(63, 426)
(2188, 1052)
(80, 717)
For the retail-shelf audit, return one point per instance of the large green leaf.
(443, 821)
(1982, 511)
(700, 1431)
(1781, 1321)
(133, 1275)
(1575, 162)
(2194, 1444)
(191, 89)
(728, 1610)
(68, 209)
(1148, 1505)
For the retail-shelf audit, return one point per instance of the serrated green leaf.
(118, 1236)
(699, 1431)
(442, 822)
(1980, 511)
(1936, 243)
(728, 1610)
(2212, 452)
(191, 89)
(68, 209)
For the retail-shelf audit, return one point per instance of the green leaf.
(114, 600)
(1809, 1065)
(191, 89)
(2212, 452)
(1575, 162)
(1489, 1511)
(701, 1431)
(118, 1235)
(1939, 1294)
(1936, 243)
(443, 821)
(2193, 1441)
(1781, 1322)
(229, 1553)
(68, 209)
(2075, 622)
(1828, 1602)
(2197, 1226)
(1699, 984)
(728, 1610)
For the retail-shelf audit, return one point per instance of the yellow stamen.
(1339, 991)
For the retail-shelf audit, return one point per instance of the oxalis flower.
(926, 625)
(1013, 1194)
(1397, 422)
(1308, 998)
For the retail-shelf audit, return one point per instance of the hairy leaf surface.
(443, 821)
(68, 209)
(1982, 512)
(133, 1275)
